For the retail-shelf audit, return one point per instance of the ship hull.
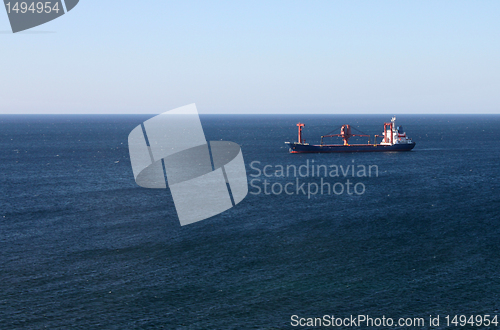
(297, 148)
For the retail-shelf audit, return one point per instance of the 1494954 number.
(34, 7)
(473, 321)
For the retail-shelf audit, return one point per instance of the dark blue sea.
(83, 247)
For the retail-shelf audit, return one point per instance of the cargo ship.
(393, 139)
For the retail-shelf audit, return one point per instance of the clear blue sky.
(257, 57)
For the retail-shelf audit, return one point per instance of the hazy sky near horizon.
(394, 57)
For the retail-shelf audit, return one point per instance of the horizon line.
(236, 114)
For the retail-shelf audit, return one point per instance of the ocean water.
(83, 247)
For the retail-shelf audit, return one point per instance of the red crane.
(345, 134)
(300, 125)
